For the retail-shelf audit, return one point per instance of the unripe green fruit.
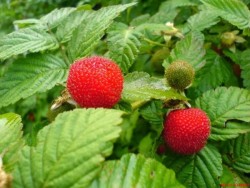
(228, 39)
(179, 75)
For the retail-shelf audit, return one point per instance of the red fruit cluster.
(186, 130)
(95, 82)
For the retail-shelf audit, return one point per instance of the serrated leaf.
(87, 35)
(190, 49)
(232, 130)
(135, 171)
(168, 10)
(245, 66)
(70, 151)
(123, 44)
(55, 17)
(65, 29)
(27, 76)
(198, 170)
(139, 86)
(155, 28)
(26, 40)
(224, 104)
(11, 139)
(202, 20)
(163, 16)
(230, 178)
(172, 4)
(141, 19)
(239, 153)
(234, 11)
(215, 72)
(152, 112)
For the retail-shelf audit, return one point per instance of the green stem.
(153, 42)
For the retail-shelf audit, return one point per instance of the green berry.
(228, 39)
(179, 75)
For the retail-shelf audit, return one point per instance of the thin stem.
(153, 42)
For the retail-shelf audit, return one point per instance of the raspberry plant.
(124, 146)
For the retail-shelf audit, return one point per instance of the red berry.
(186, 130)
(95, 82)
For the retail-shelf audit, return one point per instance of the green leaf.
(67, 27)
(70, 151)
(135, 171)
(139, 86)
(146, 145)
(26, 76)
(232, 130)
(55, 17)
(169, 10)
(26, 40)
(172, 4)
(230, 178)
(152, 112)
(223, 104)
(199, 170)
(11, 139)
(239, 153)
(234, 11)
(202, 20)
(141, 19)
(154, 28)
(215, 72)
(190, 49)
(245, 66)
(123, 44)
(87, 35)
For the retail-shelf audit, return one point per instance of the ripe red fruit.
(95, 82)
(186, 130)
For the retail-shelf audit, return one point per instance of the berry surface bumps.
(95, 82)
(186, 130)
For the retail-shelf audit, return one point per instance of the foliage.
(39, 40)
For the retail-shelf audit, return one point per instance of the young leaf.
(239, 153)
(215, 72)
(11, 139)
(224, 104)
(65, 29)
(139, 86)
(87, 35)
(199, 170)
(35, 73)
(55, 17)
(190, 49)
(26, 40)
(230, 177)
(202, 20)
(123, 45)
(234, 11)
(135, 171)
(70, 151)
